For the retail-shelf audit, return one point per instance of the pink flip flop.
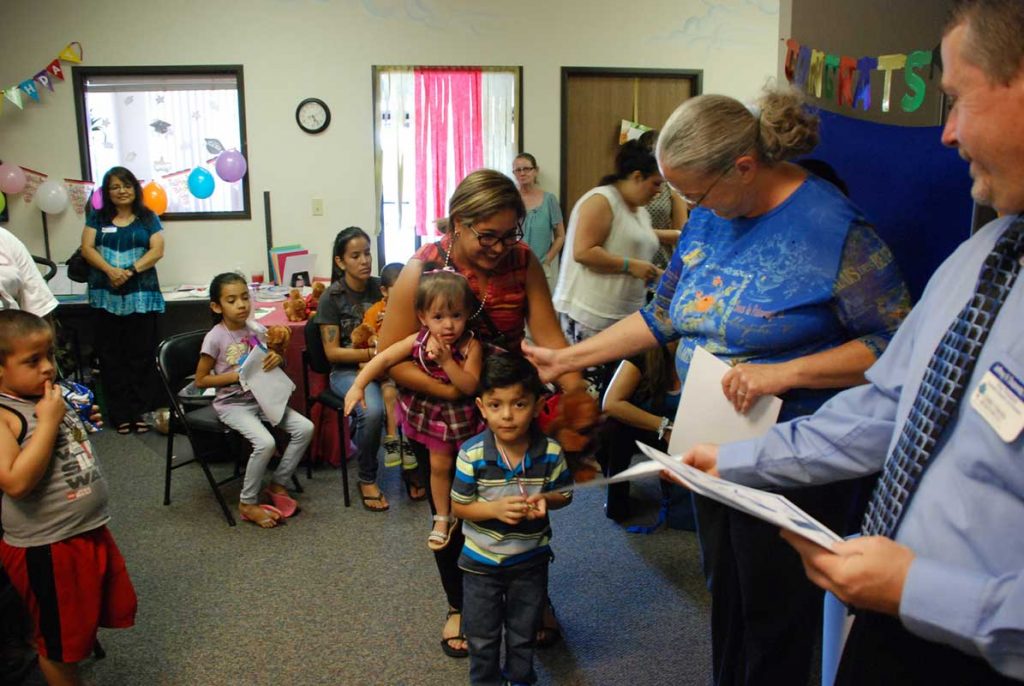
(284, 504)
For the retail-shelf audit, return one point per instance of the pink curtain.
(445, 98)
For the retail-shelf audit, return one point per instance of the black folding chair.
(176, 360)
(313, 357)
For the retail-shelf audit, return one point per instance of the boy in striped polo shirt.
(506, 480)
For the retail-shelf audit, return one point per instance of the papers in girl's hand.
(706, 416)
(271, 389)
(771, 507)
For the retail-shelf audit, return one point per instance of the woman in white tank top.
(610, 244)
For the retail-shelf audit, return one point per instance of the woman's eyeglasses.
(489, 240)
(690, 203)
(522, 170)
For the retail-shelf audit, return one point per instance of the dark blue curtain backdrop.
(915, 191)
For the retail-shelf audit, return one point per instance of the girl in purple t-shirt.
(224, 350)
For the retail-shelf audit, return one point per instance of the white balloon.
(52, 197)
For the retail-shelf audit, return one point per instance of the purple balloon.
(231, 166)
(97, 199)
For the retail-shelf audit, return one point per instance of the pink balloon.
(12, 179)
(231, 166)
(97, 199)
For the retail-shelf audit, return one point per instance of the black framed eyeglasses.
(489, 240)
(522, 170)
(691, 204)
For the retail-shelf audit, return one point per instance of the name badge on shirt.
(109, 229)
(999, 399)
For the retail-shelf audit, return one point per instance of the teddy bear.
(277, 338)
(364, 336)
(295, 306)
(313, 299)
(568, 417)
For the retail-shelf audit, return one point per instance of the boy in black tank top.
(56, 548)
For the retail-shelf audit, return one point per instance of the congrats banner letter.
(915, 84)
(887, 64)
(865, 65)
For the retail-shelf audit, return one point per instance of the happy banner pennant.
(32, 181)
(43, 79)
(55, 69)
(14, 95)
(72, 54)
(29, 86)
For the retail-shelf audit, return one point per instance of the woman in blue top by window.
(122, 242)
(543, 229)
(779, 274)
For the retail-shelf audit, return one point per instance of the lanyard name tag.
(109, 229)
(999, 399)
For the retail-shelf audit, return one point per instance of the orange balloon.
(154, 197)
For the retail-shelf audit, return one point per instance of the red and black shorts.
(70, 588)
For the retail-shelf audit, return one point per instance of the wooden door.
(594, 103)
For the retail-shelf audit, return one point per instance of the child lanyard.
(508, 465)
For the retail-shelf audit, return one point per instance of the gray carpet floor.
(345, 596)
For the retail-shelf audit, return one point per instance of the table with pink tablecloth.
(325, 447)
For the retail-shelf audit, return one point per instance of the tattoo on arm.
(332, 333)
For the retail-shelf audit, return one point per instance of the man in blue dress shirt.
(943, 600)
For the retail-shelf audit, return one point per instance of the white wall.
(293, 49)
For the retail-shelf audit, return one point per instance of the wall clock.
(313, 115)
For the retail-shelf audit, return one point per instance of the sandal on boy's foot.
(283, 502)
(549, 632)
(124, 428)
(367, 499)
(446, 644)
(140, 427)
(271, 511)
(438, 540)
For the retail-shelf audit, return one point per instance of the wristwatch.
(132, 269)
(665, 425)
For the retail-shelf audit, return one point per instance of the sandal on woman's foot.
(380, 504)
(140, 427)
(446, 642)
(438, 540)
(124, 428)
(550, 632)
(411, 480)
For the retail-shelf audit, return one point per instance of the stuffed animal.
(364, 336)
(295, 306)
(313, 299)
(278, 337)
(568, 417)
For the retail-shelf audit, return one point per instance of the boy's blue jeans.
(512, 599)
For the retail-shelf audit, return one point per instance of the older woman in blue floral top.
(779, 274)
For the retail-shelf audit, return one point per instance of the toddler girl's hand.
(51, 405)
(271, 361)
(95, 417)
(352, 398)
(538, 506)
(511, 509)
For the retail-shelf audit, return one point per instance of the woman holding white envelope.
(777, 273)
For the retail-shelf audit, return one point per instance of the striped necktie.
(943, 385)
